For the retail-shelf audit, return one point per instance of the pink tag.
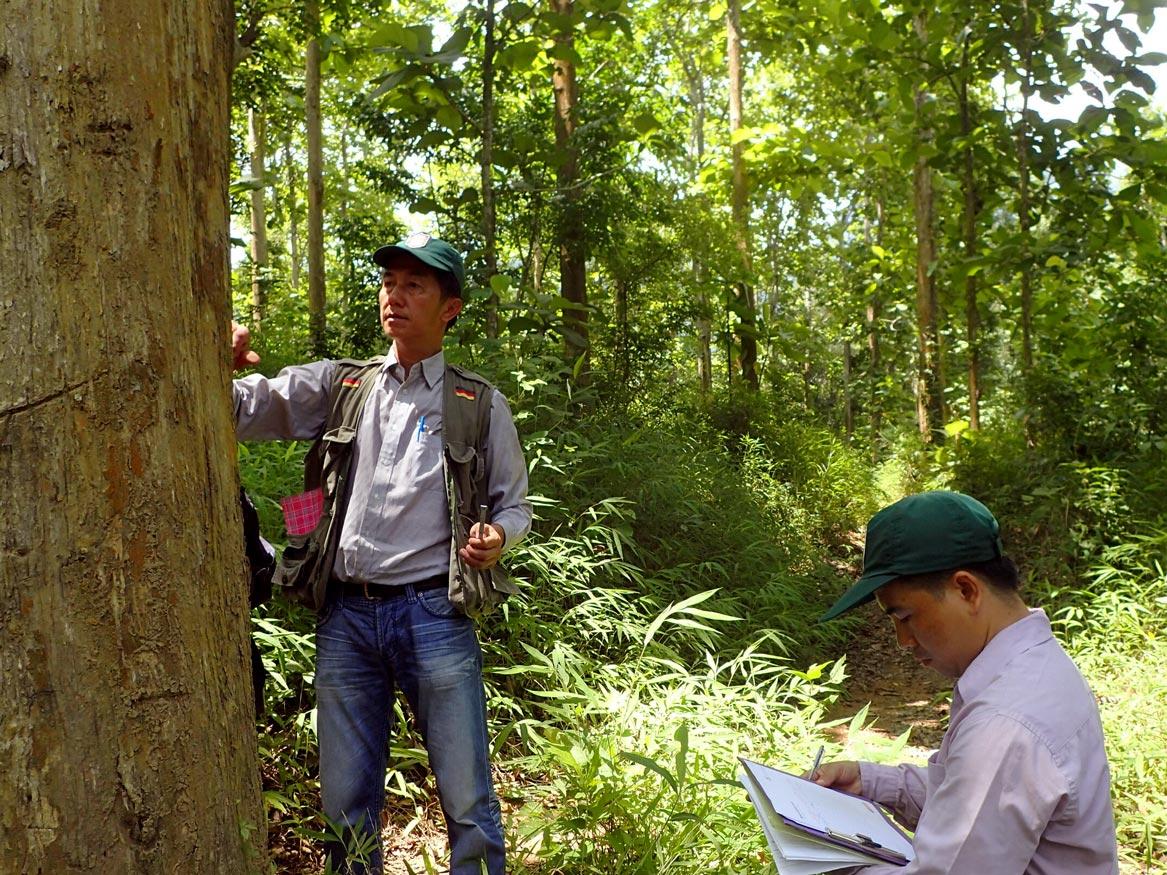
(302, 512)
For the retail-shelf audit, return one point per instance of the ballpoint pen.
(818, 758)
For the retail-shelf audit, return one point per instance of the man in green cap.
(1020, 783)
(386, 619)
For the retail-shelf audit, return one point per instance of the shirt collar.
(1014, 639)
(432, 368)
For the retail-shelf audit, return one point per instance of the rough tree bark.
(743, 290)
(316, 316)
(255, 134)
(127, 739)
(572, 245)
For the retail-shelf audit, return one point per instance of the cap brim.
(383, 256)
(862, 592)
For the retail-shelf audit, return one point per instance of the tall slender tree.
(259, 265)
(572, 243)
(743, 287)
(929, 385)
(315, 135)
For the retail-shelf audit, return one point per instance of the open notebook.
(812, 829)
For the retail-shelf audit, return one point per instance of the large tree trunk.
(486, 162)
(259, 280)
(316, 317)
(972, 208)
(127, 739)
(929, 387)
(572, 246)
(743, 290)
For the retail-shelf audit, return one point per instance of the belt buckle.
(365, 587)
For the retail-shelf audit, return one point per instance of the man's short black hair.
(448, 284)
(1001, 573)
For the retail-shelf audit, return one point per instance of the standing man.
(386, 618)
(1020, 783)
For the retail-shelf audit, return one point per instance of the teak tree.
(127, 739)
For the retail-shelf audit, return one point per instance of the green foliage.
(685, 543)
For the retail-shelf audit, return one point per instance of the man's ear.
(969, 588)
(451, 307)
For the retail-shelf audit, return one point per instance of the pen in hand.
(818, 758)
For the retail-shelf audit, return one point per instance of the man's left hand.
(484, 546)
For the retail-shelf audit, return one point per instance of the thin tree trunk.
(1023, 189)
(342, 211)
(972, 209)
(127, 736)
(255, 132)
(874, 313)
(572, 246)
(486, 162)
(848, 404)
(623, 354)
(743, 290)
(293, 218)
(929, 389)
(316, 315)
(697, 149)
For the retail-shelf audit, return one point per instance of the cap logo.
(418, 240)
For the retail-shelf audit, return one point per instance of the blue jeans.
(417, 641)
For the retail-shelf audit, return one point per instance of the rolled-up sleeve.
(1000, 788)
(509, 507)
(293, 405)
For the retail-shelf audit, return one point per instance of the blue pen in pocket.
(421, 427)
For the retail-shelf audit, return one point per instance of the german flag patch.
(468, 394)
(350, 382)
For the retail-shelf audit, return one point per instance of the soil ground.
(902, 694)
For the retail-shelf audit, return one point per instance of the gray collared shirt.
(397, 526)
(1020, 783)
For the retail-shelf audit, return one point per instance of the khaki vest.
(306, 563)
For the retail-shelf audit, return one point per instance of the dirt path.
(903, 694)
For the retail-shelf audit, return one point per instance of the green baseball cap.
(919, 534)
(429, 250)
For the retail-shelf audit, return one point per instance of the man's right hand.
(242, 355)
(842, 775)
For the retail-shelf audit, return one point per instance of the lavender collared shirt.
(397, 526)
(1020, 784)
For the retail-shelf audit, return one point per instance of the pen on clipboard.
(818, 758)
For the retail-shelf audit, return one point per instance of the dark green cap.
(436, 253)
(931, 531)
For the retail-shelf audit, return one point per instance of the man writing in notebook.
(1020, 783)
